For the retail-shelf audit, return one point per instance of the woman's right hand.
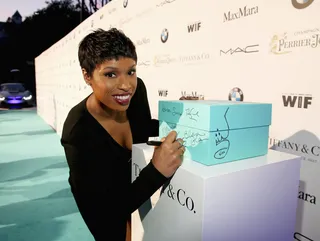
(167, 158)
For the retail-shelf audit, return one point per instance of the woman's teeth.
(122, 97)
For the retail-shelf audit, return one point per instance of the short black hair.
(102, 45)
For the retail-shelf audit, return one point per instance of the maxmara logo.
(191, 96)
(307, 197)
(241, 13)
(302, 3)
(164, 2)
(142, 41)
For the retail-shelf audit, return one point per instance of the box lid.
(213, 115)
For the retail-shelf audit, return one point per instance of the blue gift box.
(216, 132)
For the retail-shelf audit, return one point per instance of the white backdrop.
(267, 49)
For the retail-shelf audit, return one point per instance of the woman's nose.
(124, 83)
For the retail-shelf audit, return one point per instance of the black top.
(100, 168)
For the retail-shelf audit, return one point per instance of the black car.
(15, 94)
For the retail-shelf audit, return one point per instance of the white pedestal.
(248, 200)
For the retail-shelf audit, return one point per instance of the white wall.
(274, 53)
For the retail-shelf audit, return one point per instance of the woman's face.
(114, 82)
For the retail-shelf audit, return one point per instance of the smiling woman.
(105, 80)
(99, 132)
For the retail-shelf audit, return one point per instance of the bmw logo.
(236, 94)
(164, 35)
(301, 5)
(125, 3)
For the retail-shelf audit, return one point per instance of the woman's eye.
(132, 72)
(110, 75)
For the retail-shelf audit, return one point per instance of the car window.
(12, 87)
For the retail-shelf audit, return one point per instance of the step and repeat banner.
(244, 50)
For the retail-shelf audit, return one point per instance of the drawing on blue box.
(192, 114)
(178, 111)
(222, 142)
(173, 111)
(193, 138)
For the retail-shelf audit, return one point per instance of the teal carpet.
(35, 199)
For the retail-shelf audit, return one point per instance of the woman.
(99, 132)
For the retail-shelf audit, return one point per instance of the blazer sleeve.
(150, 179)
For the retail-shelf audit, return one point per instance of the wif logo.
(194, 27)
(163, 93)
(297, 101)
